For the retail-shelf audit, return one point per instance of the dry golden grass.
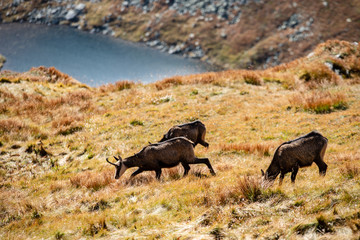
(92, 180)
(350, 171)
(70, 192)
(319, 101)
(117, 86)
(11, 125)
(260, 148)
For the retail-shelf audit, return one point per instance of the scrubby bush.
(319, 102)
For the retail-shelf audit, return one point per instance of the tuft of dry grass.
(92, 180)
(117, 86)
(250, 188)
(167, 82)
(319, 101)
(52, 75)
(252, 78)
(350, 171)
(11, 125)
(66, 120)
(260, 148)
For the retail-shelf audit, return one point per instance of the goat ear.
(262, 173)
(119, 158)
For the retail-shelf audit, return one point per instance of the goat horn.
(111, 162)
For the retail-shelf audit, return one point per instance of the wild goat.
(298, 153)
(194, 131)
(156, 156)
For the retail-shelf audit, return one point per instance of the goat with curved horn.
(167, 154)
(120, 167)
(111, 162)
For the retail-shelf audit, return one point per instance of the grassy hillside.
(55, 134)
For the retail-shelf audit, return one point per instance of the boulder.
(2, 61)
(80, 7)
(71, 15)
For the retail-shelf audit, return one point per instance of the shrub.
(317, 73)
(51, 74)
(173, 173)
(319, 102)
(11, 125)
(117, 86)
(66, 120)
(91, 180)
(95, 227)
(167, 82)
(350, 171)
(252, 78)
(250, 188)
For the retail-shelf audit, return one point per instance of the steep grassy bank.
(56, 133)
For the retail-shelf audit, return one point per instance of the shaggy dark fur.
(298, 153)
(194, 131)
(165, 154)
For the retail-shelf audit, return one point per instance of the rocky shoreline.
(67, 12)
(226, 33)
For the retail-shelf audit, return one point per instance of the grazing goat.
(194, 131)
(298, 153)
(165, 154)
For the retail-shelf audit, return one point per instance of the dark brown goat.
(298, 153)
(194, 131)
(156, 156)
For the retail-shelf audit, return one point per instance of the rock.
(174, 49)
(197, 53)
(2, 61)
(236, 18)
(80, 7)
(292, 22)
(153, 43)
(71, 15)
(16, 3)
(39, 16)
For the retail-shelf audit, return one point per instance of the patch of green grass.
(59, 235)
(194, 92)
(136, 122)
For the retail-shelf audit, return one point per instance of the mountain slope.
(55, 135)
(230, 34)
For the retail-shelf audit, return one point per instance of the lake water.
(93, 59)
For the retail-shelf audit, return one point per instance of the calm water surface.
(93, 59)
